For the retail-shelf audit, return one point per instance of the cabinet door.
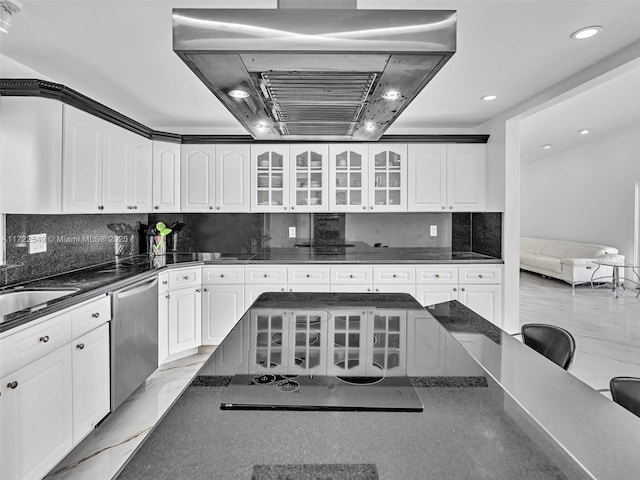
(431, 294)
(347, 353)
(309, 184)
(197, 178)
(185, 319)
(166, 177)
(425, 345)
(269, 341)
(163, 327)
(349, 178)
(81, 162)
(36, 416)
(91, 381)
(232, 178)
(309, 352)
(485, 300)
(117, 153)
(466, 177)
(270, 174)
(427, 178)
(140, 173)
(394, 288)
(388, 336)
(387, 178)
(251, 291)
(222, 307)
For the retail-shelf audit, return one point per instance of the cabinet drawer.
(392, 275)
(351, 275)
(87, 316)
(311, 274)
(351, 288)
(188, 277)
(163, 282)
(226, 275)
(481, 274)
(266, 274)
(309, 287)
(34, 342)
(437, 275)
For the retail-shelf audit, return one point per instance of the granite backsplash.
(77, 241)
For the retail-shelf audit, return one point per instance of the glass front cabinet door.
(309, 175)
(349, 178)
(270, 174)
(387, 178)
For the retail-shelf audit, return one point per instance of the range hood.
(314, 74)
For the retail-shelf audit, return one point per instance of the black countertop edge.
(90, 282)
(32, 87)
(457, 318)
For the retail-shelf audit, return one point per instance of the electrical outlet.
(433, 230)
(37, 243)
(292, 232)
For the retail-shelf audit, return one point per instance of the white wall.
(585, 193)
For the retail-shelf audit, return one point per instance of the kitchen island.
(504, 412)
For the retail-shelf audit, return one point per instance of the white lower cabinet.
(431, 294)
(222, 307)
(485, 300)
(253, 291)
(91, 381)
(36, 416)
(185, 320)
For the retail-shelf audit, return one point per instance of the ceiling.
(119, 52)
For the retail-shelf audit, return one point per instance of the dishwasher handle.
(136, 289)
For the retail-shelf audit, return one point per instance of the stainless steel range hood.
(314, 74)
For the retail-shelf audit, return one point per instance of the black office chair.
(553, 342)
(625, 391)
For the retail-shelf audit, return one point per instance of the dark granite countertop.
(101, 279)
(503, 412)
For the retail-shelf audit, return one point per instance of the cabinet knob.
(166, 296)
(12, 385)
(44, 339)
(308, 275)
(462, 289)
(100, 207)
(164, 282)
(350, 276)
(157, 207)
(186, 277)
(377, 289)
(285, 208)
(455, 289)
(217, 208)
(291, 208)
(443, 207)
(368, 289)
(437, 275)
(210, 207)
(198, 290)
(95, 315)
(450, 207)
(265, 275)
(282, 289)
(479, 275)
(206, 290)
(222, 275)
(135, 207)
(371, 208)
(394, 275)
(80, 346)
(364, 207)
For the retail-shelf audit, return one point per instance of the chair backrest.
(553, 342)
(625, 391)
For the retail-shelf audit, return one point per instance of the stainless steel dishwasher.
(134, 338)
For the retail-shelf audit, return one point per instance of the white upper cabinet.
(309, 178)
(166, 176)
(349, 177)
(31, 156)
(428, 177)
(82, 162)
(388, 178)
(270, 178)
(198, 178)
(232, 178)
(106, 168)
(466, 177)
(448, 177)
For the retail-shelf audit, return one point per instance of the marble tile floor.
(606, 329)
(102, 454)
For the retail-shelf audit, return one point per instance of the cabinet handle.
(479, 275)
(12, 385)
(222, 275)
(198, 290)
(217, 208)
(44, 339)
(135, 207)
(100, 207)
(286, 208)
(80, 346)
(437, 275)
(206, 290)
(282, 289)
(443, 207)
(394, 275)
(186, 277)
(166, 296)
(377, 289)
(450, 207)
(210, 207)
(164, 282)
(455, 289)
(462, 289)
(350, 276)
(157, 207)
(95, 315)
(364, 207)
(371, 208)
(265, 275)
(368, 289)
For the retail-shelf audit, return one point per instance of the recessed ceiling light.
(586, 32)
(262, 126)
(369, 126)
(546, 146)
(489, 97)
(238, 94)
(391, 95)
(583, 131)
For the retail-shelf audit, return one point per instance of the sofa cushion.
(527, 258)
(588, 251)
(548, 263)
(532, 245)
(555, 248)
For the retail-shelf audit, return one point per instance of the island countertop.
(504, 412)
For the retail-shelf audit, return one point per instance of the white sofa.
(568, 261)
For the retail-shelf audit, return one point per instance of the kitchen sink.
(16, 300)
